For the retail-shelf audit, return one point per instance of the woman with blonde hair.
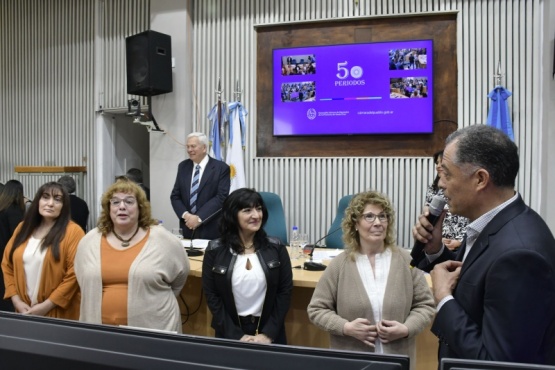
(369, 299)
(129, 268)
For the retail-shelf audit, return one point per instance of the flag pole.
(219, 93)
(237, 91)
(499, 76)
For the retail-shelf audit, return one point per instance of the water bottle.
(295, 243)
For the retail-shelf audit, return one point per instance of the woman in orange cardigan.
(38, 260)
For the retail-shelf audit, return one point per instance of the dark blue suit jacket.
(504, 306)
(213, 189)
(79, 211)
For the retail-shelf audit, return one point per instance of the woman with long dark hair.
(247, 276)
(38, 259)
(12, 209)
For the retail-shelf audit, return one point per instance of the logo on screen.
(311, 113)
(344, 73)
(356, 72)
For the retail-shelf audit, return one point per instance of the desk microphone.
(316, 266)
(192, 252)
(435, 208)
(315, 245)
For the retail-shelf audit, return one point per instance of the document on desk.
(325, 254)
(197, 243)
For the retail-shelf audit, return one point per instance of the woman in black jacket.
(12, 210)
(246, 276)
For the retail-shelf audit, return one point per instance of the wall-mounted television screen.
(354, 89)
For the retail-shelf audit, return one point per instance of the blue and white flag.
(216, 131)
(236, 147)
(498, 115)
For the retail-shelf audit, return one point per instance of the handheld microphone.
(435, 208)
(192, 252)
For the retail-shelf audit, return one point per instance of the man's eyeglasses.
(129, 201)
(370, 217)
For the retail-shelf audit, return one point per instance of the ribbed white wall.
(488, 32)
(48, 85)
(120, 18)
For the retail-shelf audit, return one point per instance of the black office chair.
(275, 226)
(335, 238)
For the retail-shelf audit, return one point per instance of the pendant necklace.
(125, 243)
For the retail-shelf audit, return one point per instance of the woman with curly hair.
(129, 268)
(369, 299)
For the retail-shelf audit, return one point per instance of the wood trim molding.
(441, 28)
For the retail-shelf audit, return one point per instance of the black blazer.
(504, 306)
(9, 219)
(213, 189)
(79, 211)
(217, 270)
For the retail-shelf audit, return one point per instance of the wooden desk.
(300, 331)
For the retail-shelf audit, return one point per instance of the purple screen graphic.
(355, 89)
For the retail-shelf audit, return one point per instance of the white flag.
(235, 148)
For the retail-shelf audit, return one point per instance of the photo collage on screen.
(407, 60)
(298, 65)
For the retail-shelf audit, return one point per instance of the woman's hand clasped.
(452, 244)
(259, 338)
(390, 330)
(39, 309)
(362, 330)
(247, 338)
(19, 305)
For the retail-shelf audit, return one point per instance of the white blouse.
(248, 286)
(374, 283)
(33, 257)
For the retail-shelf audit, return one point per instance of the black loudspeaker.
(149, 65)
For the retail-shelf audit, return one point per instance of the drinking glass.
(178, 232)
(303, 240)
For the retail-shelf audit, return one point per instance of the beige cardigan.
(156, 277)
(340, 297)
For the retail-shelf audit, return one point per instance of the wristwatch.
(199, 220)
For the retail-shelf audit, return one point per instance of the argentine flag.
(236, 146)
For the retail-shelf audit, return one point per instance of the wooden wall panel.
(440, 28)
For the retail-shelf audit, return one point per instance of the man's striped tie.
(194, 189)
